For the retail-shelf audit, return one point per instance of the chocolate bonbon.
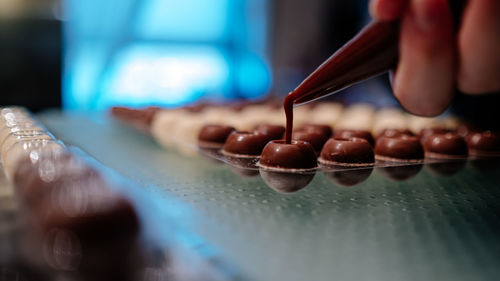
(275, 132)
(287, 167)
(424, 133)
(347, 152)
(389, 132)
(345, 134)
(324, 129)
(402, 148)
(316, 138)
(213, 135)
(245, 144)
(280, 155)
(448, 145)
(485, 143)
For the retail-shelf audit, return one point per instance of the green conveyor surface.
(430, 227)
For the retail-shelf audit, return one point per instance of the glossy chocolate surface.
(442, 145)
(485, 143)
(316, 138)
(214, 134)
(395, 132)
(402, 147)
(296, 155)
(424, 133)
(275, 132)
(324, 129)
(347, 151)
(245, 143)
(345, 134)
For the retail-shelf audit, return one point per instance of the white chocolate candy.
(163, 124)
(389, 118)
(185, 135)
(301, 115)
(417, 123)
(327, 113)
(357, 117)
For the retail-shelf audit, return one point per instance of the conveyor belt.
(429, 227)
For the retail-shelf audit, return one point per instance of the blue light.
(196, 20)
(253, 76)
(167, 75)
(165, 52)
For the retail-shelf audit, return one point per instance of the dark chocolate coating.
(402, 147)
(424, 133)
(395, 132)
(349, 177)
(296, 155)
(245, 143)
(345, 134)
(485, 143)
(316, 138)
(350, 151)
(216, 134)
(275, 132)
(324, 129)
(450, 144)
(465, 129)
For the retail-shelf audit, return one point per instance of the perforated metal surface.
(427, 228)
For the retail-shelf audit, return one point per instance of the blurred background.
(93, 54)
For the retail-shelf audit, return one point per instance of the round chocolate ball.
(316, 138)
(214, 135)
(287, 167)
(347, 152)
(349, 177)
(392, 132)
(245, 144)
(402, 148)
(324, 129)
(424, 133)
(297, 155)
(465, 129)
(275, 132)
(448, 145)
(345, 134)
(486, 143)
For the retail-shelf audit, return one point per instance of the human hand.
(435, 60)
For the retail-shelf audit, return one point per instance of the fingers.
(387, 9)
(424, 81)
(479, 47)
